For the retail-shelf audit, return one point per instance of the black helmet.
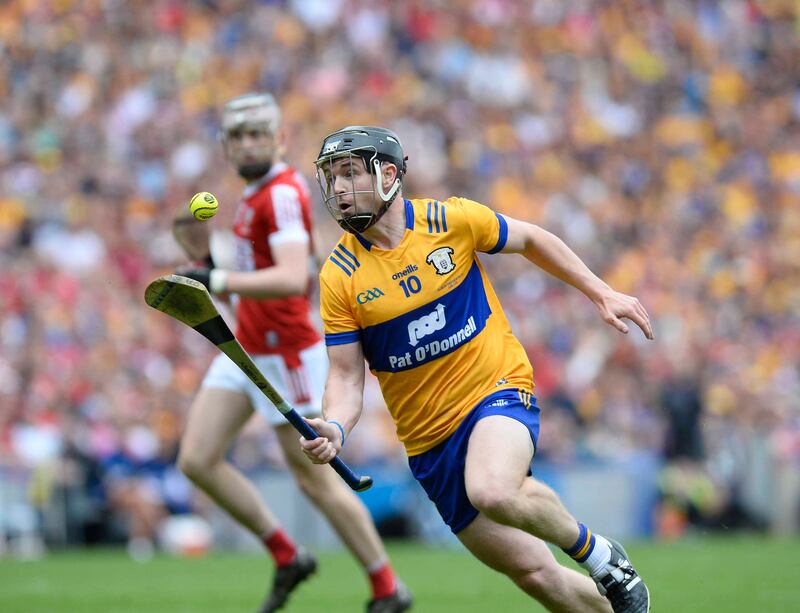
(368, 142)
(373, 145)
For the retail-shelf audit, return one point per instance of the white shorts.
(300, 387)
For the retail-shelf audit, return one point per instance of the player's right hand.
(326, 446)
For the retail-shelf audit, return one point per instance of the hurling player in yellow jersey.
(404, 290)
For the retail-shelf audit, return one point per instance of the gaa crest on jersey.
(442, 260)
(369, 295)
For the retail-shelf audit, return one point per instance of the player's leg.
(498, 458)
(348, 516)
(338, 503)
(530, 564)
(303, 387)
(215, 418)
(217, 415)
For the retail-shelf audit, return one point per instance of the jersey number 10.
(411, 285)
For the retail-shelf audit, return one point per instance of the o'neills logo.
(405, 272)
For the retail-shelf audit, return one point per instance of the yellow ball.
(203, 206)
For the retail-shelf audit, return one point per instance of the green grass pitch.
(731, 575)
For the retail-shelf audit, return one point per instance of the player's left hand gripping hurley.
(189, 302)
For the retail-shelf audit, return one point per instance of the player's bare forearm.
(341, 404)
(273, 282)
(289, 276)
(341, 409)
(552, 255)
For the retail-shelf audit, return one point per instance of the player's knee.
(306, 485)
(193, 463)
(492, 501)
(309, 478)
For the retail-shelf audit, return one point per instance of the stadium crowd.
(661, 140)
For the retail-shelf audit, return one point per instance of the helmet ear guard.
(390, 195)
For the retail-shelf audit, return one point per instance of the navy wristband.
(338, 425)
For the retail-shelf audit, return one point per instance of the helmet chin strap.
(356, 224)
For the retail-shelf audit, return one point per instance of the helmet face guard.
(372, 146)
(256, 115)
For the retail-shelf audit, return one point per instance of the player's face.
(352, 185)
(251, 148)
(348, 188)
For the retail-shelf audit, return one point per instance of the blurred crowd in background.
(661, 140)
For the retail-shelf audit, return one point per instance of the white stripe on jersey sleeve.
(288, 216)
(288, 236)
(286, 204)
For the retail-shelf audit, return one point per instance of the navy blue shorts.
(440, 470)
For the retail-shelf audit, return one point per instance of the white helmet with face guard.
(249, 133)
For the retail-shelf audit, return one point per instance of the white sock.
(374, 567)
(597, 560)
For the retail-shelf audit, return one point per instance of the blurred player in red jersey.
(272, 227)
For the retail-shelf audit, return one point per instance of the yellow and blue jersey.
(430, 324)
